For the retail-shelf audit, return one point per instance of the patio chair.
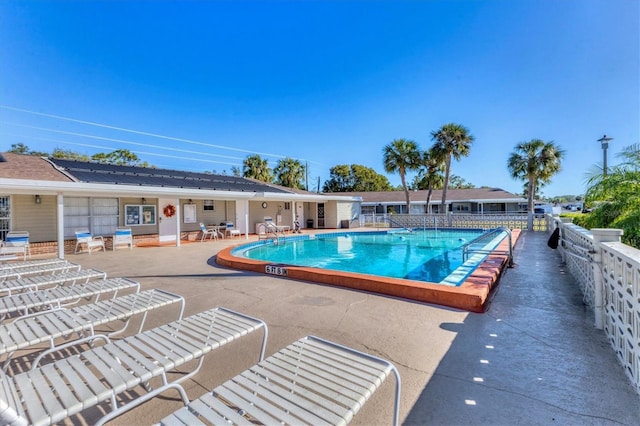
(212, 233)
(32, 330)
(16, 242)
(312, 381)
(85, 239)
(16, 271)
(231, 230)
(38, 282)
(50, 298)
(122, 237)
(51, 393)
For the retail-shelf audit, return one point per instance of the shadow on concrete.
(534, 358)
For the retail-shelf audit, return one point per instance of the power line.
(149, 134)
(120, 141)
(138, 132)
(134, 151)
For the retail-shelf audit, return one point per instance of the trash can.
(345, 223)
(309, 223)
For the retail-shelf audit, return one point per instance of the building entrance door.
(320, 215)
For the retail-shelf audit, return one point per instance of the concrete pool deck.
(532, 358)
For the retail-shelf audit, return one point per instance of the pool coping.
(472, 295)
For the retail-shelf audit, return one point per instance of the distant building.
(475, 200)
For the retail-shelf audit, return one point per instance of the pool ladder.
(467, 248)
(271, 233)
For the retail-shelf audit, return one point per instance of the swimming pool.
(421, 255)
(468, 287)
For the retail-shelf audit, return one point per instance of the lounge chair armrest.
(88, 339)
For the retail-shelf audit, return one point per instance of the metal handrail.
(465, 247)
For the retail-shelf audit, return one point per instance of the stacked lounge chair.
(50, 393)
(311, 381)
(31, 330)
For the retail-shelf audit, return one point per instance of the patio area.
(533, 358)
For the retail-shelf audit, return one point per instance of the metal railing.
(271, 232)
(477, 245)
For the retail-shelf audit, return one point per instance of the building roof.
(32, 174)
(420, 196)
(19, 166)
(91, 172)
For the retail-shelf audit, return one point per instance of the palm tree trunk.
(532, 193)
(446, 184)
(429, 193)
(406, 190)
(531, 199)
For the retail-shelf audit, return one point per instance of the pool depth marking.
(472, 295)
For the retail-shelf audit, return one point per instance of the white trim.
(60, 199)
(47, 187)
(78, 188)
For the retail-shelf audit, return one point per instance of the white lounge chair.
(51, 393)
(312, 381)
(85, 239)
(18, 271)
(31, 330)
(212, 233)
(39, 282)
(63, 296)
(31, 263)
(122, 237)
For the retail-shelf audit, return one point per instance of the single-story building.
(52, 198)
(474, 200)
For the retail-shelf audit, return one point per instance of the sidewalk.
(534, 358)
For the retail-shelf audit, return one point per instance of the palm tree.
(257, 168)
(400, 156)
(616, 197)
(290, 173)
(451, 141)
(535, 162)
(432, 173)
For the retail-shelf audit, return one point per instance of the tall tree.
(290, 173)
(67, 154)
(458, 182)
(121, 157)
(355, 178)
(535, 162)
(431, 175)
(258, 168)
(451, 141)
(400, 156)
(19, 148)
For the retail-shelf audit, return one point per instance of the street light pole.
(605, 144)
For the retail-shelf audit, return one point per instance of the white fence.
(608, 273)
(455, 220)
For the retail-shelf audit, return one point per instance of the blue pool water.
(422, 255)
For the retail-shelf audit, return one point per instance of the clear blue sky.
(326, 82)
